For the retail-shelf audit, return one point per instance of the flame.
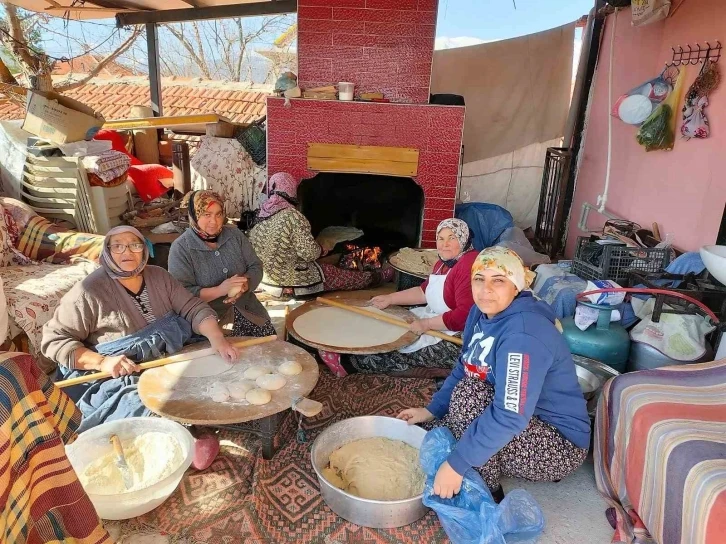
(361, 258)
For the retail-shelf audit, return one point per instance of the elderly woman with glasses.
(120, 315)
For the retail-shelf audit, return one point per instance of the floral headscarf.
(282, 193)
(507, 261)
(462, 234)
(197, 203)
(106, 259)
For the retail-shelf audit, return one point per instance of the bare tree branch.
(200, 62)
(104, 62)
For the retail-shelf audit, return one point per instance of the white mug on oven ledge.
(345, 91)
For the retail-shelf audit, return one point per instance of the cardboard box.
(60, 119)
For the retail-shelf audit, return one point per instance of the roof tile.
(185, 96)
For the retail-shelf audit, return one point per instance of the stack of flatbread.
(329, 237)
(416, 261)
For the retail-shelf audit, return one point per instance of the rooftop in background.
(239, 102)
(86, 63)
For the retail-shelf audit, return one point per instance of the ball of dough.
(218, 392)
(258, 396)
(271, 382)
(234, 291)
(238, 390)
(290, 368)
(255, 372)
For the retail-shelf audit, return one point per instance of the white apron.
(435, 306)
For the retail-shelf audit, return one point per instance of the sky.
(467, 22)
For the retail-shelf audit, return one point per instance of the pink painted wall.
(683, 190)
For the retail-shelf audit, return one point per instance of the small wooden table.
(187, 400)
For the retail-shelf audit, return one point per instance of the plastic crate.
(617, 261)
(254, 139)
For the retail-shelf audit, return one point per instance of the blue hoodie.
(523, 355)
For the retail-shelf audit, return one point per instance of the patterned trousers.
(539, 453)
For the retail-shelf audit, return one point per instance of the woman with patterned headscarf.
(513, 402)
(124, 313)
(447, 296)
(283, 239)
(217, 263)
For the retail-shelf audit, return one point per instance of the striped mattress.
(660, 454)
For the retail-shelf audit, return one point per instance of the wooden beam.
(165, 122)
(363, 159)
(85, 9)
(252, 9)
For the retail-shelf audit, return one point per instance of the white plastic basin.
(95, 442)
(714, 257)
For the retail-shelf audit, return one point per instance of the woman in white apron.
(448, 299)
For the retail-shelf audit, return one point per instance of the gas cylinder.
(603, 341)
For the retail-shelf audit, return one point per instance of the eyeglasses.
(120, 248)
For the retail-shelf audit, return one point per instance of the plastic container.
(617, 260)
(95, 442)
(346, 90)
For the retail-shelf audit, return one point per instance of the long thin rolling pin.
(167, 360)
(391, 320)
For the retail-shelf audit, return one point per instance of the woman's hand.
(225, 349)
(447, 482)
(381, 302)
(119, 365)
(415, 415)
(419, 326)
(237, 285)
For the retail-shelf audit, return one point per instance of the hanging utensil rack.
(695, 55)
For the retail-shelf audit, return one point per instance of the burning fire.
(361, 258)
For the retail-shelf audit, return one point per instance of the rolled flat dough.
(345, 329)
(376, 468)
(211, 365)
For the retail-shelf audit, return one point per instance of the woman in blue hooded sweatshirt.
(513, 401)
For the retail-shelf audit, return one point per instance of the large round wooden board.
(396, 311)
(187, 400)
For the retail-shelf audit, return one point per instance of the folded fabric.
(106, 161)
(117, 143)
(109, 175)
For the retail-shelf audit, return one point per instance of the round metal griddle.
(401, 269)
(396, 311)
(187, 400)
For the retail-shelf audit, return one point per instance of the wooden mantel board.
(363, 159)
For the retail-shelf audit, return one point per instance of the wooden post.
(181, 168)
(146, 141)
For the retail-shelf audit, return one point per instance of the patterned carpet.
(243, 499)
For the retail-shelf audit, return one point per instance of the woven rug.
(243, 498)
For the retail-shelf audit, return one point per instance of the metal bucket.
(367, 512)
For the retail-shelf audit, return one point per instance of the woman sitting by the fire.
(122, 314)
(218, 264)
(448, 299)
(283, 239)
(513, 402)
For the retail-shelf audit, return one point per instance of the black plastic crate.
(407, 281)
(617, 260)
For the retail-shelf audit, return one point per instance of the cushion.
(43, 241)
(33, 294)
(145, 178)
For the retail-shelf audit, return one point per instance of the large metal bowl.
(592, 375)
(367, 512)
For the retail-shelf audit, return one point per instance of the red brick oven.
(381, 45)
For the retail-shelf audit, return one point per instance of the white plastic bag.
(645, 12)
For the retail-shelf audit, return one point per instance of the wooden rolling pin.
(388, 319)
(167, 360)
